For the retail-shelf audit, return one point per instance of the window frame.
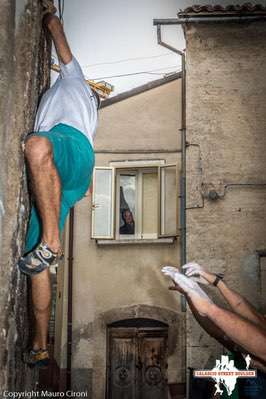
(138, 172)
(136, 167)
(161, 183)
(94, 206)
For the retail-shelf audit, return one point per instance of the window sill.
(156, 241)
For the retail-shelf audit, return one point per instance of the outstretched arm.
(241, 306)
(216, 332)
(237, 302)
(212, 329)
(208, 324)
(242, 332)
(56, 30)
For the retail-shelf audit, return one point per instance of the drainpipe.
(183, 254)
(204, 19)
(70, 294)
(183, 238)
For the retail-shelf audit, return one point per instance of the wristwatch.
(219, 277)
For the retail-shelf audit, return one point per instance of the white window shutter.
(103, 203)
(169, 192)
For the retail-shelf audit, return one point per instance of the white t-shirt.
(70, 101)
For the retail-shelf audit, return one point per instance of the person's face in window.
(128, 217)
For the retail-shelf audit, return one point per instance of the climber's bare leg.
(41, 285)
(41, 299)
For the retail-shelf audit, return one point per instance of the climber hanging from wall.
(60, 160)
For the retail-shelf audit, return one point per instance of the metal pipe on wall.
(70, 292)
(183, 253)
(183, 175)
(136, 151)
(204, 19)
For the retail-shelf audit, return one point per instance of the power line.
(131, 74)
(137, 73)
(126, 59)
(151, 72)
(121, 61)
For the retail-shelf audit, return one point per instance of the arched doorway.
(137, 359)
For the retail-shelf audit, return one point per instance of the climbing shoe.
(48, 7)
(39, 259)
(36, 358)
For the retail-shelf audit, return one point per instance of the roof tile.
(200, 10)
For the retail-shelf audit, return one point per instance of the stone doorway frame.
(176, 342)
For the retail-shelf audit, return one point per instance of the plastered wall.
(121, 282)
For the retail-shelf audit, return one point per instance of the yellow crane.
(103, 88)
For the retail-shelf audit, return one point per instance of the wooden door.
(137, 363)
(121, 364)
(152, 353)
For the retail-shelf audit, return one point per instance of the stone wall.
(226, 119)
(24, 74)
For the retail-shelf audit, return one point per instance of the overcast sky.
(117, 37)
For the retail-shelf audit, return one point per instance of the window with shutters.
(135, 200)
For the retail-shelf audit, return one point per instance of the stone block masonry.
(24, 74)
(226, 119)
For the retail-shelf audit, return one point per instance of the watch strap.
(218, 278)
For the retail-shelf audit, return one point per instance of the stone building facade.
(226, 175)
(24, 74)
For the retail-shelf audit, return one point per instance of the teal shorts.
(74, 160)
